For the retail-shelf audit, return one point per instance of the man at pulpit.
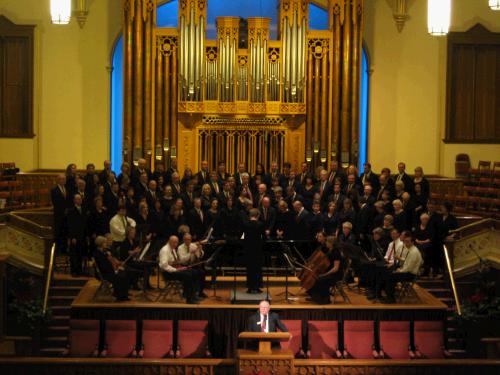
(265, 321)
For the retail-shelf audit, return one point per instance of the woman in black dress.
(308, 192)
(424, 237)
(329, 220)
(423, 182)
(320, 292)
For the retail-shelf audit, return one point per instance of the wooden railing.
(71, 366)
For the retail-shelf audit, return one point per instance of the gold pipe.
(293, 56)
(310, 113)
(356, 68)
(336, 63)
(192, 46)
(284, 59)
(288, 58)
(148, 79)
(302, 59)
(159, 98)
(317, 98)
(346, 70)
(181, 43)
(167, 99)
(452, 279)
(259, 67)
(128, 22)
(324, 100)
(173, 100)
(49, 278)
(138, 79)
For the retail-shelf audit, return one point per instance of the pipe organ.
(242, 97)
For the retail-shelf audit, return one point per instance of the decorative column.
(139, 22)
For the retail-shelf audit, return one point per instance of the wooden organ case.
(242, 97)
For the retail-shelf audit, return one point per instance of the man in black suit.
(267, 216)
(304, 171)
(141, 187)
(59, 202)
(368, 177)
(137, 171)
(203, 174)
(103, 175)
(238, 175)
(265, 321)
(77, 231)
(337, 197)
(324, 187)
(152, 194)
(402, 176)
(301, 226)
(198, 222)
(336, 174)
(215, 186)
(112, 198)
(188, 196)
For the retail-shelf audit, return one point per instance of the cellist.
(320, 292)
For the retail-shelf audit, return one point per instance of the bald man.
(171, 265)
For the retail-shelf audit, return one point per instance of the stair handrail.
(49, 278)
(452, 280)
(469, 229)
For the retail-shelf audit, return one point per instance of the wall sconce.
(494, 4)
(173, 152)
(400, 14)
(308, 155)
(158, 152)
(438, 17)
(60, 11)
(322, 156)
(315, 147)
(166, 144)
(81, 12)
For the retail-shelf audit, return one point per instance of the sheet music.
(144, 251)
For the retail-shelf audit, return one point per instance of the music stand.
(289, 266)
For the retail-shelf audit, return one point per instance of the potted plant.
(480, 315)
(30, 315)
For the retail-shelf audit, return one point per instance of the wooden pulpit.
(265, 360)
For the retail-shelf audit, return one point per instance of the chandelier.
(60, 11)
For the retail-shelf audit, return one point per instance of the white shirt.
(412, 262)
(262, 322)
(167, 257)
(118, 225)
(394, 249)
(187, 255)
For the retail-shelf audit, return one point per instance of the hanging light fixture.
(438, 16)
(494, 4)
(60, 11)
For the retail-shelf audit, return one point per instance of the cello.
(315, 265)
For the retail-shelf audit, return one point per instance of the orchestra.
(330, 216)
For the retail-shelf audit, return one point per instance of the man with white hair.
(172, 269)
(264, 320)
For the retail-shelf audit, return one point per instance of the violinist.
(320, 292)
(190, 254)
(130, 249)
(111, 270)
(170, 264)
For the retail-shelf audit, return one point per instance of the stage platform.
(226, 319)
